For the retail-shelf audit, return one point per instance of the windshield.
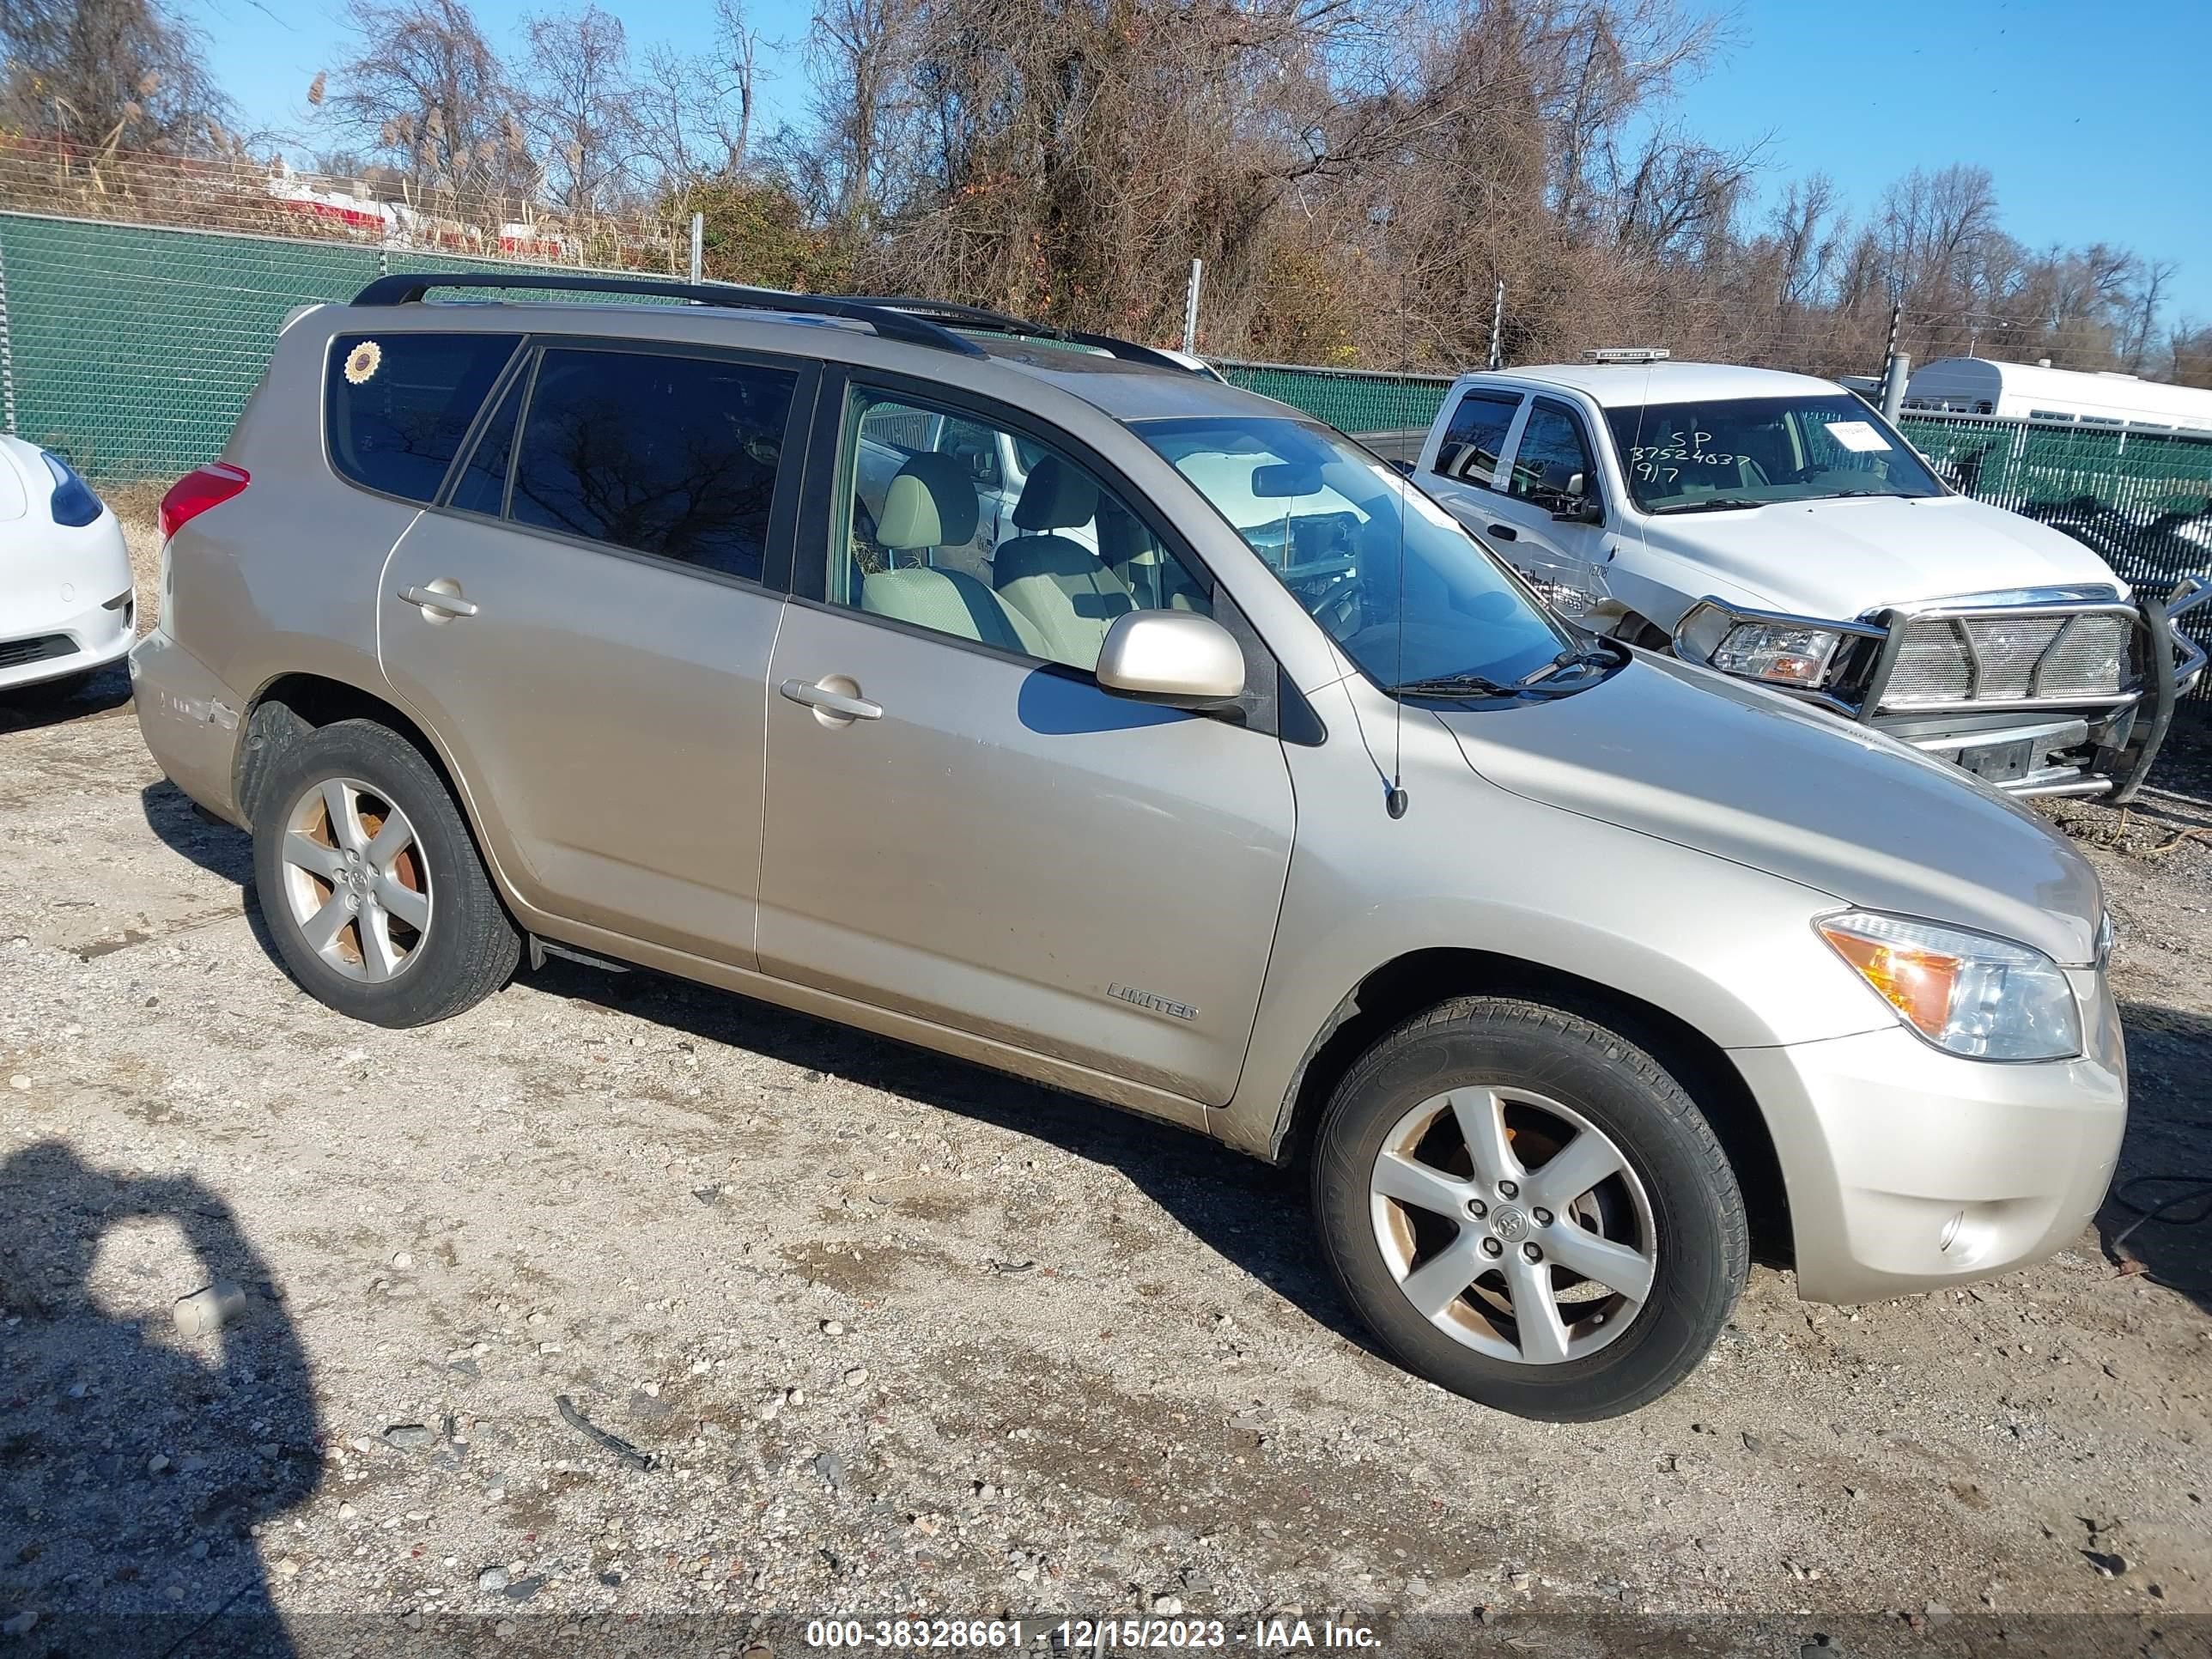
(1750, 452)
(1327, 518)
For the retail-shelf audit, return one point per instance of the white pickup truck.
(1774, 527)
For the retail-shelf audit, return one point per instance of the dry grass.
(136, 506)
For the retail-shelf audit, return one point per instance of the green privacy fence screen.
(131, 349)
(1349, 399)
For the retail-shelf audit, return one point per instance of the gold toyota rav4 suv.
(1039, 700)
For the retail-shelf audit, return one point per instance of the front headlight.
(73, 503)
(1783, 654)
(1967, 993)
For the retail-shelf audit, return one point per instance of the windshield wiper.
(1714, 504)
(1575, 656)
(1457, 685)
(1481, 685)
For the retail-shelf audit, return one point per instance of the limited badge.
(362, 362)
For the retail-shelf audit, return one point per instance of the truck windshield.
(1739, 454)
(1329, 519)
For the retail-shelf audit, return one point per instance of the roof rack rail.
(891, 324)
(997, 322)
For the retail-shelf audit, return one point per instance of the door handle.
(828, 700)
(434, 597)
(1505, 533)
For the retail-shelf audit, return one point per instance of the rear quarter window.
(1475, 437)
(397, 406)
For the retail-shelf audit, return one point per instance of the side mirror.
(1174, 657)
(1571, 499)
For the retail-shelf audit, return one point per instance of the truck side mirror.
(1571, 501)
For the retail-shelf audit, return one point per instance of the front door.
(1552, 469)
(585, 625)
(962, 826)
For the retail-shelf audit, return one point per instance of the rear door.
(1464, 473)
(1551, 468)
(585, 621)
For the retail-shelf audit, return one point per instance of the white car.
(66, 603)
(1776, 528)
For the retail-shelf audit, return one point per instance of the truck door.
(1550, 514)
(1462, 471)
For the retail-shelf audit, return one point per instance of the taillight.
(196, 491)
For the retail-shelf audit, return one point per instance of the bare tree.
(1807, 230)
(2142, 305)
(864, 54)
(1938, 230)
(696, 114)
(2188, 349)
(108, 74)
(427, 93)
(575, 99)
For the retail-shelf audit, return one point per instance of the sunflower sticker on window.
(362, 362)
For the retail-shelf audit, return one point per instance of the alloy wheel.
(354, 879)
(1513, 1224)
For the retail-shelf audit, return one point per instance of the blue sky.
(2092, 120)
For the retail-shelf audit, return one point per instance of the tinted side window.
(1476, 437)
(1551, 455)
(483, 484)
(397, 405)
(673, 456)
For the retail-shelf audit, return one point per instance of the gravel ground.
(898, 1336)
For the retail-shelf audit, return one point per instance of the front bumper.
(2027, 745)
(189, 719)
(1908, 1169)
(33, 650)
(66, 598)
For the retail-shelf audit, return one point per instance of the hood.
(1843, 558)
(1709, 762)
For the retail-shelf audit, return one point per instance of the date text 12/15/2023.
(1086, 1635)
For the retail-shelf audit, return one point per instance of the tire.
(408, 929)
(1665, 1218)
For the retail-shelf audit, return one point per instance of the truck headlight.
(1784, 653)
(1966, 992)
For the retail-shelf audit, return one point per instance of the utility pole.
(1895, 365)
(1498, 327)
(1893, 385)
(698, 243)
(1190, 308)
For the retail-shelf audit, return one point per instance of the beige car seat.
(1063, 588)
(931, 504)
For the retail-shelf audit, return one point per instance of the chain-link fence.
(2142, 499)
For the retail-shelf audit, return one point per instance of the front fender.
(1728, 950)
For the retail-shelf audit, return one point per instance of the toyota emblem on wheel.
(1510, 1225)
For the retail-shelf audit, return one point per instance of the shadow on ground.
(1253, 1215)
(2166, 1158)
(135, 1463)
(27, 707)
